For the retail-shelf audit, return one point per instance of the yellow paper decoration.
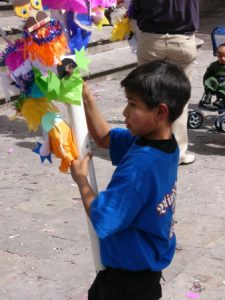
(33, 109)
(121, 30)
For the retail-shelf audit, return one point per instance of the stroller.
(195, 118)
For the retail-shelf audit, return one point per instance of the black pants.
(117, 284)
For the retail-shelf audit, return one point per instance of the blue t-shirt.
(133, 217)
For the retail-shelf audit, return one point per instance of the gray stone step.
(12, 25)
(6, 9)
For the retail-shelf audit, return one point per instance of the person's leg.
(211, 84)
(150, 47)
(210, 87)
(220, 95)
(182, 50)
(180, 131)
(206, 99)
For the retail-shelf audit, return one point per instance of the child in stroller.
(214, 81)
(214, 84)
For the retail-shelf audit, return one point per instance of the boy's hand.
(87, 94)
(79, 168)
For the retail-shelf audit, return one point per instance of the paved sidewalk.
(45, 251)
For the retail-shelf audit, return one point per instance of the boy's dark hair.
(160, 81)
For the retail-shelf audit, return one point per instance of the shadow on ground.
(28, 145)
(206, 140)
(15, 128)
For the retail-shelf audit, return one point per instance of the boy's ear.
(163, 112)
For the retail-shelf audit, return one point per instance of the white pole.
(78, 124)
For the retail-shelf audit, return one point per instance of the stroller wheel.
(218, 122)
(222, 123)
(195, 119)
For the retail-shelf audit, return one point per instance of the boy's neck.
(165, 134)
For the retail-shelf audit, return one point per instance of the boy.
(214, 81)
(133, 217)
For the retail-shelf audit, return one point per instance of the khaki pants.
(179, 48)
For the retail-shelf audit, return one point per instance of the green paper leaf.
(82, 60)
(67, 89)
(40, 80)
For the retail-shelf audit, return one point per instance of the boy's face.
(139, 119)
(221, 55)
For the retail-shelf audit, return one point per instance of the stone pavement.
(45, 251)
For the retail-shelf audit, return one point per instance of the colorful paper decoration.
(79, 30)
(78, 6)
(82, 60)
(47, 40)
(14, 55)
(43, 150)
(32, 110)
(23, 8)
(32, 12)
(121, 30)
(67, 89)
(98, 16)
(59, 140)
(43, 44)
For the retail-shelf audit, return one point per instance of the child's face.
(221, 55)
(139, 119)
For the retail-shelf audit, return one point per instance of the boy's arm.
(87, 194)
(97, 125)
(79, 172)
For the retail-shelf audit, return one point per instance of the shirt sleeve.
(209, 72)
(114, 209)
(120, 142)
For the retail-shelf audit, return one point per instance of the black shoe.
(206, 99)
(220, 103)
